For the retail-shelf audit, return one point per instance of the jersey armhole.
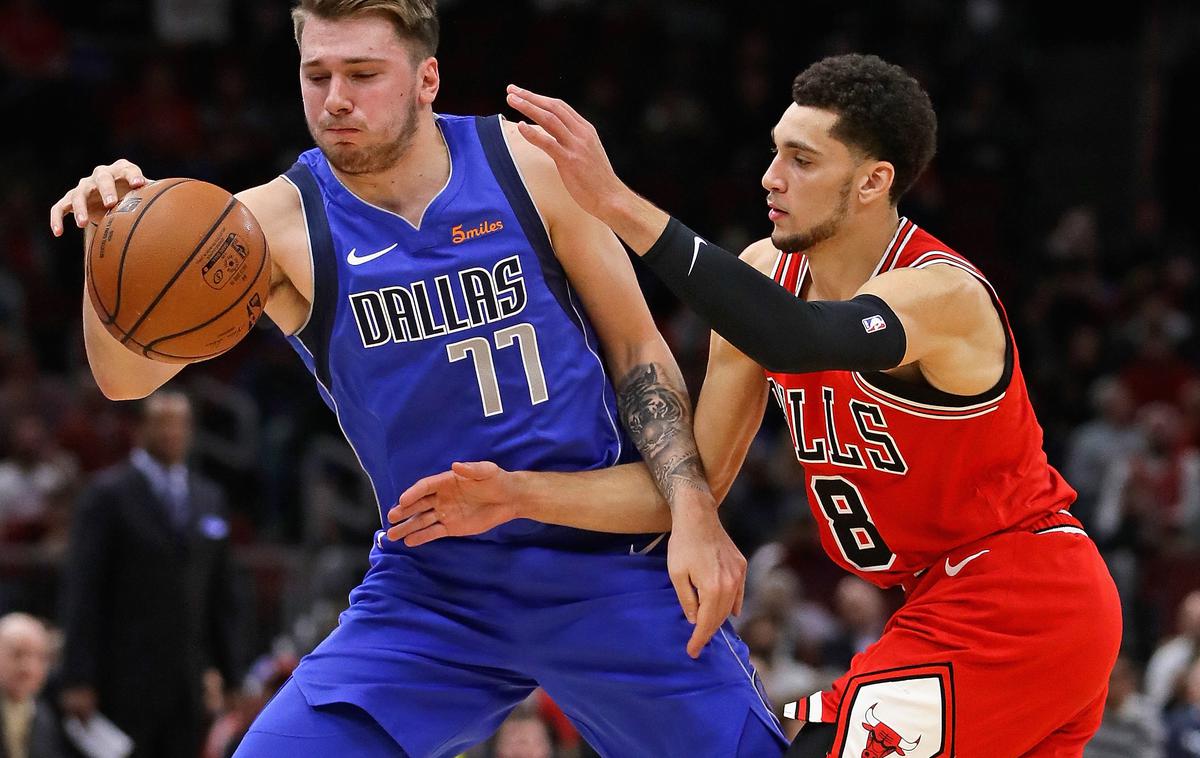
(930, 396)
(316, 332)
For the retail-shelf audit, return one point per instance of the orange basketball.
(178, 271)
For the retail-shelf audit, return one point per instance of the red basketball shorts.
(1002, 649)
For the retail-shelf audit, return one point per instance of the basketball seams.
(182, 267)
(125, 249)
(93, 292)
(149, 346)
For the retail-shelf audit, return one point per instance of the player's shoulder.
(534, 164)
(276, 206)
(275, 201)
(762, 255)
(540, 173)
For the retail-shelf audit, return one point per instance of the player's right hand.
(469, 499)
(707, 571)
(94, 195)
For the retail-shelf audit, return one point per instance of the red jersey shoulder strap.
(789, 271)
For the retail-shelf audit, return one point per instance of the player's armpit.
(728, 413)
(952, 327)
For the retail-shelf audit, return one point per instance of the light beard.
(814, 235)
(356, 160)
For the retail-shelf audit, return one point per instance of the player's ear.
(874, 181)
(429, 81)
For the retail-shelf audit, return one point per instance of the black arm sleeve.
(766, 322)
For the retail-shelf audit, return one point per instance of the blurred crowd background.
(1064, 170)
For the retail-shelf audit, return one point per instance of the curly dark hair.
(882, 111)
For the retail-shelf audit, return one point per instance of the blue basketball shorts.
(440, 642)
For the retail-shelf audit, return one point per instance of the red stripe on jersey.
(777, 269)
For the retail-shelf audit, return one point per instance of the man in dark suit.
(28, 726)
(149, 600)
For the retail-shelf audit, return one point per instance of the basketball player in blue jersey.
(444, 289)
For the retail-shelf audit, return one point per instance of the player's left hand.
(469, 499)
(707, 569)
(574, 145)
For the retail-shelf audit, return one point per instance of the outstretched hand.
(469, 499)
(574, 145)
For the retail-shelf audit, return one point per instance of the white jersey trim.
(885, 397)
(888, 250)
(776, 274)
(815, 708)
(749, 676)
(1067, 529)
(417, 226)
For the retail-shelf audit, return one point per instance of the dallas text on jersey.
(402, 313)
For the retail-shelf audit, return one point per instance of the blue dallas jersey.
(459, 339)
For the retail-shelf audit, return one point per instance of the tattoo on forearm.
(658, 416)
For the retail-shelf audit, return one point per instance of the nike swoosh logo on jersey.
(695, 252)
(358, 260)
(952, 569)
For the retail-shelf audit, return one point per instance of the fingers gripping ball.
(178, 271)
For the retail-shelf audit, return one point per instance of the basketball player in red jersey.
(894, 364)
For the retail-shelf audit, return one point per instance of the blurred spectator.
(28, 725)
(1099, 445)
(1131, 727)
(861, 612)
(31, 478)
(524, 735)
(1183, 723)
(565, 736)
(150, 596)
(266, 676)
(181, 22)
(784, 631)
(1157, 373)
(1150, 497)
(173, 137)
(1165, 670)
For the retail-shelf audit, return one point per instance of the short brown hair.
(415, 20)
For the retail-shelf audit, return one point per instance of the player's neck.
(842, 264)
(413, 181)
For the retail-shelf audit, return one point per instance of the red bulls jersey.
(898, 474)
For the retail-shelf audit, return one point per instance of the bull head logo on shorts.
(882, 740)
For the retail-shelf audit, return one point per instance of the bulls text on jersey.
(453, 303)
(866, 444)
